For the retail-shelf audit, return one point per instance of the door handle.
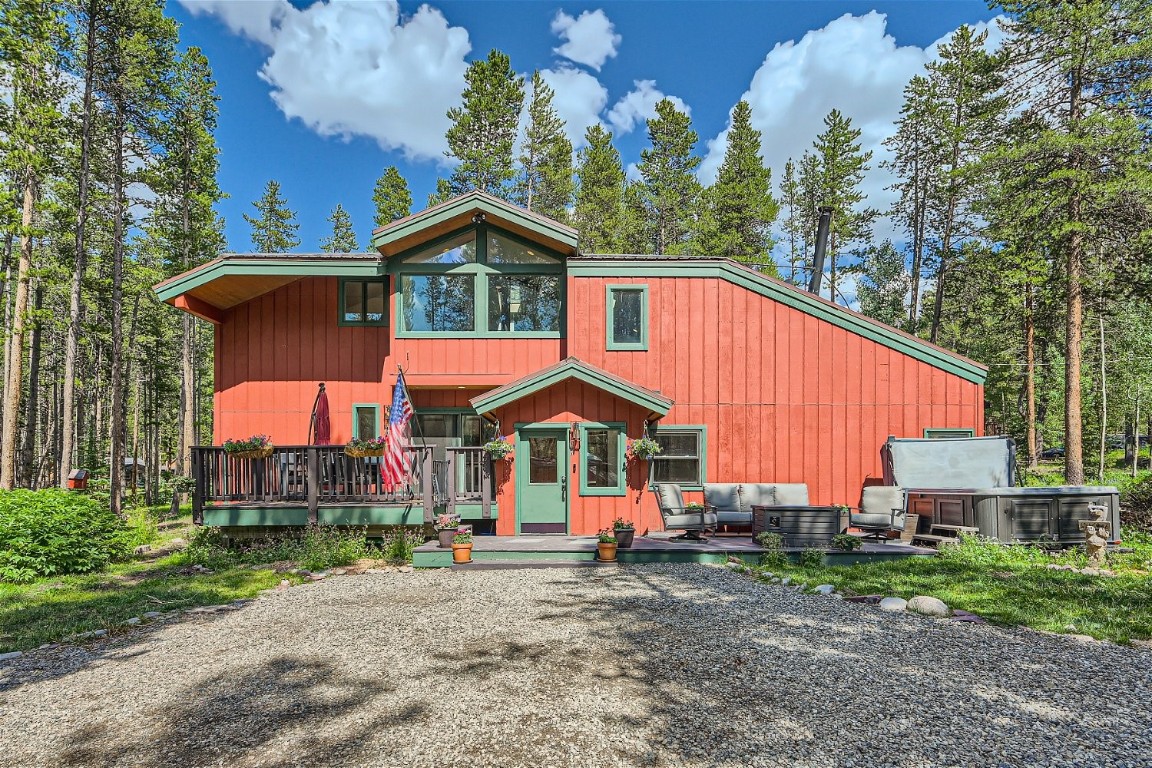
(563, 489)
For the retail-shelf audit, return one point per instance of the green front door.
(542, 480)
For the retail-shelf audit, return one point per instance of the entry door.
(542, 480)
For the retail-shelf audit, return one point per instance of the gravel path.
(666, 665)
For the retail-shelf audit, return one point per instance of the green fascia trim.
(613, 346)
(367, 267)
(703, 430)
(360, 514)
(476, 511)
(621, 477)
(255, 516)
(571, 369)
(840, 317)
(349, 514)
(376, 411)
(475, 201)
(382, 323)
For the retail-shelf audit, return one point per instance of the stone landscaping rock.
(133, 621)
(866, 599)
(1145, 644)
(406, 569)
(283, 585)
(926, 605)
(317, 576)
(151, 614)
(824, 589)
(339, 571)
(11, 655)
(893, 604)
(178, 543)
(959, 615)
(142, 549)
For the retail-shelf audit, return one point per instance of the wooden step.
(955, 528)
(934, 539)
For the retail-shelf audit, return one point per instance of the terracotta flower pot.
(462, 553)
(624, 537)
(445, 537)
(606, 552)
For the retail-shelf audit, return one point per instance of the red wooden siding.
(272, 352)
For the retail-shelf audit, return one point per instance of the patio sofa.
(733, 501)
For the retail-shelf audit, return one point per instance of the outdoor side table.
(798, 526)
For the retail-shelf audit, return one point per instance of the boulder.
(929, 606)
(893, 604)
(824, 589)
(11, 655)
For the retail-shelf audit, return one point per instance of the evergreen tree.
(883, 283)
(668, 169)
(274, 230)
(343, 239)
(739, 208)
(484, 129)
(791, 199)
(391, 197)
(831, 175)
(545, 179)
(600, 194)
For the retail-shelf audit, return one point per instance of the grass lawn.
(1011, 585)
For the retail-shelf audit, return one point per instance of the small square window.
(682, 458)
(627, 309)
(363, 302)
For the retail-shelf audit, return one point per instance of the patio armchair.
(882, 509)
(677, 516)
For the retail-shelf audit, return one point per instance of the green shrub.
(54, 532)
(812, 558)
(316, 548)
(1136, 506)
(399, 543)
(846, 542)
(141, 526)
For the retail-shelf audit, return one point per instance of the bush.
(54, 532)
(316, 548)
(399, 543)
(1136, 506)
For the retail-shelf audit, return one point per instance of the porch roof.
(573, 368)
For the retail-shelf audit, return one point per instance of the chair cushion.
(759, 494)
(691, 521)
(791, 495)
(733, 518)
(725, 497)
(877, 503)
(670, 498)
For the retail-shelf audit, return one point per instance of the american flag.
(395, 468)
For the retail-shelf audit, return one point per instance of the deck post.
(427, 477)
(312, 484)
(453, 457)
(198, 487)
(486, 486)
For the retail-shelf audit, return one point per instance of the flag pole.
(407, 394)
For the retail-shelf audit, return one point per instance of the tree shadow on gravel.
(736, 673)
(285, 711)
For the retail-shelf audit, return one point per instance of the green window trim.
(356, 419)
(619, 346)
(620, 488)
(702, 431)
(946, 432)
(481, 271)
(342, 319)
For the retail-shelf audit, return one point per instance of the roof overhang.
(472, 208)
(212, 288)
(656, 404)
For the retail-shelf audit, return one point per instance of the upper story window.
(363, 302)
(479, 282)
(627, 322)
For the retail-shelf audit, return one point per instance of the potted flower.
(498, 447)
(255, 447)
(446, 525)
(643, 449)
(624, 530)
(462, 546)
(361, 448)
(606, 546)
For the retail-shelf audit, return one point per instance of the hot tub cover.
(938, 463)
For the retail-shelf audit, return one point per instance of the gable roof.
(419, 228)
(572, 368)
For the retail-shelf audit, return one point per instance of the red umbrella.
(321, 422)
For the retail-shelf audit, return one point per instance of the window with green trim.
(945, 433)
(363, 302)
(602, 460)
(438, 302)
(627, 307)
(682, 459)
(524, 303)
(365, 421)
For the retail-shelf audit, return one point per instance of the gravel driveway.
(663, 665)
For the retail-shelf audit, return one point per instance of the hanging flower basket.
(257, 453)
(363, 449)
(643, 449)
(499, 448)
(363, 453)
(255, 447)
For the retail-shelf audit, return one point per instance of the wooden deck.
(654, 548)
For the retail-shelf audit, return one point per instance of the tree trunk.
(31, 421)
(118, 435)
(80, 260)
(1103, 405)
(15, 382)
(1030, 377)
(1073, 329)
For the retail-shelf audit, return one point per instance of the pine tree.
(274, 230)
(483, 130)
(391, 197)
(600, 194)
(545, 179)
(793, 225)
(343, 239)
(831, 174)
(883, 283)
(739, 208)
(668, 170)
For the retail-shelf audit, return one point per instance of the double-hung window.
(683, 456)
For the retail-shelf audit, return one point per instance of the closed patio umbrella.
(321, 426)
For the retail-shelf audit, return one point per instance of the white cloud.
(579, 100)
(639, 105)
(348, 68)
(853, 65)
(591, 38)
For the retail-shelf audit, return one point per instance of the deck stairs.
(944, 535)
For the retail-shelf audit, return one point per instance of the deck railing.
(320, 475)
(470, 479)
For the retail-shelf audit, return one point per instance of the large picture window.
(627, 307)
(363, 302)
(683, 458)
(439, 302)
(524, 303)
(602, 460)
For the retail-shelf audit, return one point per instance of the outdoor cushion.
(691, 521)
(791, 495)
(725, 497)
(670, 497)
(756, 494)
(877, 503)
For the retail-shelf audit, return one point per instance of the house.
(502, 325)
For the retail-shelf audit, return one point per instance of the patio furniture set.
(781, 508)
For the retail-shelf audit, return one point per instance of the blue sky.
(322, 96)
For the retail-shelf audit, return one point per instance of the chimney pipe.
(821, 248)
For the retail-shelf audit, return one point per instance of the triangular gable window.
(503, 250)
(460, 249)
